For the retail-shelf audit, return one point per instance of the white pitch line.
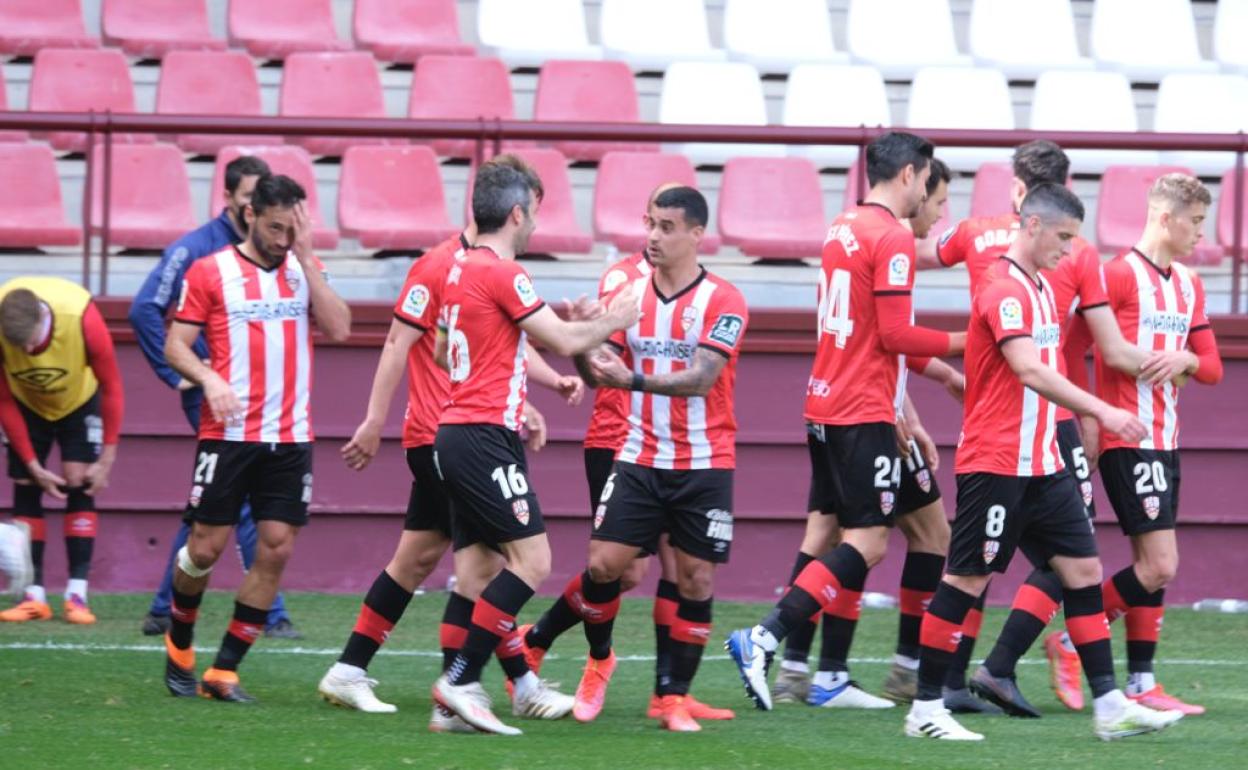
(327, 652)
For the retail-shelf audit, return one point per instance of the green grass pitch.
(92, 697)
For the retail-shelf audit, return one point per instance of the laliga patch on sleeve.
(1011, 311)
(524, 290)
(416, 301)
(727, 330)
(946, 235)
(612, 280)
(899, 270)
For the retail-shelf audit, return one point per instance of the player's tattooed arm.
(694, 381)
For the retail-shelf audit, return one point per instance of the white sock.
(830, 680)
(923, 708)
(906, 662)
(1110, 704)
(76, 587)
(36, 593)
(795, 665)
(525, 683)
(1140, 682)
(764, 638)
(346, 671)
(1067, 645)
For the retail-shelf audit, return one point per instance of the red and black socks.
(1089, 632)
(840, 620)
(797, 643)
(244, 629)
(493, 618)
(81, 526)
(955, 677)
(383, 606)
(561, 616)
(690, 632)
(816, 588)
(666, 602)
(600, 603)
(938, 638)
(453, 632)
(182, 614)
(1035, 604)
(920, 575)
(28, 507)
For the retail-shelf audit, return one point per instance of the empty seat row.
(393, 198)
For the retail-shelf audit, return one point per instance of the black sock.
(245, 628)
(1089, 631)
(28, 507)
(602, 603)
(955, 677)
(510, 652)
(81, 523)
(690, 633)
(920, 574)
(456, 620)
(182, 614)
(1034, 605)
(942, 625)
(1143, 627)
(666, 602)
(797, 643)
(558, 619)
(840, 620)
(809, 594)
(383, 606)
(497, 608)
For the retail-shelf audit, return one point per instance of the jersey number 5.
(834, 308)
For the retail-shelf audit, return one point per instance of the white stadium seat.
(714, 93)
(1146, 39)
(1229, 26)
(962, 97)
(899, 37)
(834, 95)
(1089, 101)
(651, 34)
(1023, 38)
(525, 33)
(1201, 104)
(778, 35)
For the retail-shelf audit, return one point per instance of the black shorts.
(694, 506)
(855, 473)
(1143, 488)
(427, 506)
(79, 434)
(999, 514)
(918, 483)
(598, 464)
(276, 479)
(1070, 445)
(487, 480)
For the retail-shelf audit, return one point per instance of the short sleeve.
(512, 289)
(1117, 282)
(196, 299)
(419, 302)
(951, 247)
(723, 328)
(894, 265)
(1001, 304)
(614, 278)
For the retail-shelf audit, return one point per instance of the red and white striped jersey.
(1009, 429)
(419, 304)
(683, 433)
(255, 320)
(608, 425)
(1156, 310)
(483, 303)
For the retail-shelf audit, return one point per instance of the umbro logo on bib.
(41, 377)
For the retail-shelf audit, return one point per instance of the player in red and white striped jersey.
(253, 302)
(1013, 489)
(1160, 305)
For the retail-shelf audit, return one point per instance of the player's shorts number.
(1081, 463)
(887, 472)
(511, 481)
(457, 357)
(607, 489)
(996, 521)
(1150, 477)
(205, 467)
(835, 308)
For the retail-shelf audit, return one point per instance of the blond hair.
(19, 316)
(1178, 191)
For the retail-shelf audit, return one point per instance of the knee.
(533, 566)
(203, 552)
(274, 552)
(1083, 573)
(413, 563)
(871, 545)
(1157, 572)
(697, 582)
(635, 573)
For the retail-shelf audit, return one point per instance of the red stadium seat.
(391, 198)
(8, 136)
(69, 80)
(856, 187)
(331, 85)
(26, 26)
(557, 229)
(772, 207)
(1122, 204)
(31, 213)
(1226, 214)
(152, 28)
(210, 83)
(625, 181)
(293, 162)
(461, 87)
(150, 196)
(405, 30)
(990, 194)
(592, 92)
(274, 29)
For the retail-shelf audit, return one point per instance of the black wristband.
(639, 382)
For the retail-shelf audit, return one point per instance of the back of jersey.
(854, 379)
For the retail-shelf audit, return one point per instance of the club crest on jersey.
(898, 270)
(416, 301)
(887, 501)
(1152, 506)
(688, 317)
(520, 508)
(197, 494)
(946, 235)
(524, 290)
(1011, 312)
(599, 515)
(293, 280)
(727, 329)
(991, 549)
(307, 488)
(612, 280)
(1085, 489)
(924, 477)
